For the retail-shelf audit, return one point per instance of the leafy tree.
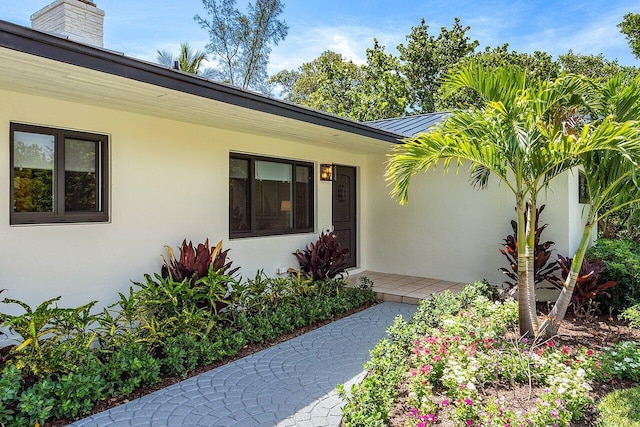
(630, 27)
(387, 85)
(326, 83)
(187, 60)
(426, 59)
(611, 176)
(594, 66)
(241, 43)
(380, 90)
(539, 65)
(526, 133)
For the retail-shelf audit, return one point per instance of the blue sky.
(140, 27)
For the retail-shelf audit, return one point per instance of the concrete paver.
(290, 384)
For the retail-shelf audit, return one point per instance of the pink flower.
(425, 369)
(445, 402)
(589, 352)
(468, 401)
(550, 344)
(470, 423)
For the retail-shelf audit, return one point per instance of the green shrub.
(225, 343)
(183, 353)
(622, 258)
(10, 385)
(620, 408)
(76, 392)
(130, 367)
(368, 403)
(53, 339)
(632, 315)
(36, 403)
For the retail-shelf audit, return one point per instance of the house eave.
(44, 45)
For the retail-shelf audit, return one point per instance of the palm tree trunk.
(550, 326)
(524, 317)
(530, 253)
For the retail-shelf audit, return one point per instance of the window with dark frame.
(57, 176)
(269, 196)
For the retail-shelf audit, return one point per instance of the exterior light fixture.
(327, 172)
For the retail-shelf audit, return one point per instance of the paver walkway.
(290, 384)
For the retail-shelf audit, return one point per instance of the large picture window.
(269, 196)
(57, 176)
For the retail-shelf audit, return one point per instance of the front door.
(344, 210)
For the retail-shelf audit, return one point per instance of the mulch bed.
(593, 332)
(168, 381)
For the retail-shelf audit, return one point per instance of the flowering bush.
(468, 352)
(461, 358)
(621, 362)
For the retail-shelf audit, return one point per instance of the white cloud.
(351, 41)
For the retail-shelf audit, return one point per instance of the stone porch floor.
(404, 289)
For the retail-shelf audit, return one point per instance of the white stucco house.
(107, 158)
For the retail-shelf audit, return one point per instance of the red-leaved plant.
(587, 287)
(194, 262)
(543, 269)
(323, 260)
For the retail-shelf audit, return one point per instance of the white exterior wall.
(451, 231)
(169, 181)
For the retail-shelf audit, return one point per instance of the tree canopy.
(630, 27)
(410, 82)
(240, 44)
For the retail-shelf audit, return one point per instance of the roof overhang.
(48, 65)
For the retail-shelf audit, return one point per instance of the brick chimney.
(79, 20)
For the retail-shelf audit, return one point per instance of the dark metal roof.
(411, 125)
(23, 39)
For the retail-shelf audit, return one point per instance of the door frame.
(356, 211)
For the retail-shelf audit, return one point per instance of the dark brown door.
(344, 210)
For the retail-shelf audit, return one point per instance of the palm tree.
(187, 60)
(611, 179)
(525, 135)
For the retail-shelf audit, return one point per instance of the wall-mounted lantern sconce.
(327, 172)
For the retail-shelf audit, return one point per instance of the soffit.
(22, 72)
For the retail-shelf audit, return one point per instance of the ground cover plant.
(194, 313)
(461, 362)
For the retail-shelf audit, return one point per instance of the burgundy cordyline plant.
(323, 260)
